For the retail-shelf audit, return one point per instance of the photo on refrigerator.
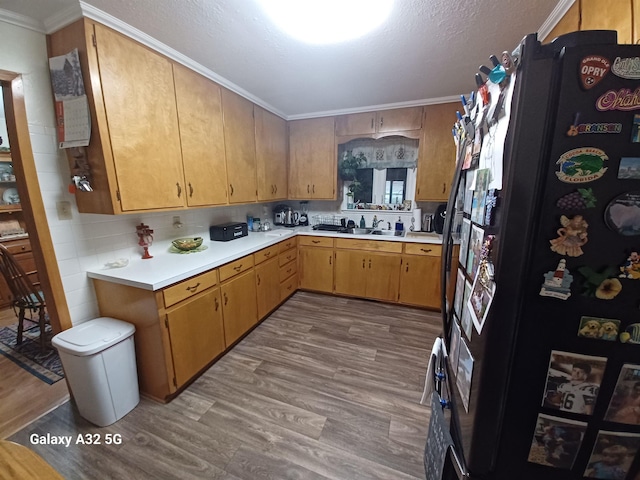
(625, 401)
(612, 455)
(556, 441)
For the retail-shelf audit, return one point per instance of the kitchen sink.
(371, 231)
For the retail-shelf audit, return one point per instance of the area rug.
(44, 365)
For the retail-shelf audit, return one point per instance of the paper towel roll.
(417, 220)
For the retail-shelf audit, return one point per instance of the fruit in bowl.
(187, 244)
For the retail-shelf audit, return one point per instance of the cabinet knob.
(231, 189)
(179, 189)
(217, 304)
(226, 299)
(363, 263)
(330, 259)
(444, 187)
(308, 189)
(313, 190)
(381, 121)
(258, 278)
(190, 190)
(369, 263)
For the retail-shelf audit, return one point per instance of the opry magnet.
(593, 69)
(581, 165)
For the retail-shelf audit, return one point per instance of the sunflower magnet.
(602, 285)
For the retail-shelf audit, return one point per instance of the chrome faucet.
(376, 222)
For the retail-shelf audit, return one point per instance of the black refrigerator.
(541, 378)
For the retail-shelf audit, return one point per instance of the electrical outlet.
(64, 210)
(177, 224)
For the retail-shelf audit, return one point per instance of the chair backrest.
(25, 294)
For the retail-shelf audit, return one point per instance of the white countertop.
(166, 268)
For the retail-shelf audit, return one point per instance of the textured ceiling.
(427, 50)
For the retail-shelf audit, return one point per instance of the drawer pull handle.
(330, 257)
(238, 268)
(426, 250)
(369, 263)
(315, 241)
(194, 288)
(267, 254)
(258, 277)
(215, 300)
(308, 189)
(363, 263)
(179, 189)
(289, 287)
(190, 190)
(288, 270)
(231, 189)
(226, 299)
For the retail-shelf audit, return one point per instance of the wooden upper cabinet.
(602, 15)
(386, 121)
(140, 108)
(437, 153)
(312, 159)
(271, 155)
(240, 147)
(202, 138)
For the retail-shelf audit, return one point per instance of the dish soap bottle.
(399, 227)
(362, 222)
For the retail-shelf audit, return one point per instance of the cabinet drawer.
(429, 249)
(288, 256)
(265, 254)
(190, 287)
(316, 241)
(18, 246)
(288, 287)
(371, 245)
(287, 244)
(233, 268)
(287, 270)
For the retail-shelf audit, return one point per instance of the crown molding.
(370, 108)
(21, 21)
(110, 21)
(554, 17)
(62, 18)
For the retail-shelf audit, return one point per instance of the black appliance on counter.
(534, 384)
(228, 231)
(438, 218)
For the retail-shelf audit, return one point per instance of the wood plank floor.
(23, 397)
(324, 388)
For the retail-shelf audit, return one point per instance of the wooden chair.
(26, 295)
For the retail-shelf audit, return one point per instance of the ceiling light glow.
(327, 21)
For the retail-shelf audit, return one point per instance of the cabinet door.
(267, 286)
(437, 153)
(351, 272)
(316, 269)
(420, 281)
(382, 273)
(240, 147)
(312, 159)
(239, 306)
(356, 124)
(201, 137)
(271, 155)
(140, 106)
(196, 334)
(399, 119)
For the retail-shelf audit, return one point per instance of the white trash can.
(99, 362)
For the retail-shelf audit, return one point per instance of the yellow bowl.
(187, 244)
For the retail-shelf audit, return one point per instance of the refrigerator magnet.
(612, 455)
(622, 214)
(635, 129)
(573, 382)
(579, 199)
(625, 402)
(480, 299)
(571, 236)
(556, 441)
(626, 67)
(600, 284)
(581, 165)
(475, 248)
(629, 168)
(557, 282)
(631, 334)
(624, 100)
(599, 328)
(593, 68)
(631, 267)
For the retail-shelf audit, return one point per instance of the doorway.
(24, 398)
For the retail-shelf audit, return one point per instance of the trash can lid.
(93, 336)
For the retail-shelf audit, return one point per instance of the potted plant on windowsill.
(348, 169)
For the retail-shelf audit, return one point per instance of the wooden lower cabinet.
(267, 286)
(420, 281)
(367, 274)
(239, 305)
(316, 268)
(196, 333)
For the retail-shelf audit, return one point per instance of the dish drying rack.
(328, 222)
